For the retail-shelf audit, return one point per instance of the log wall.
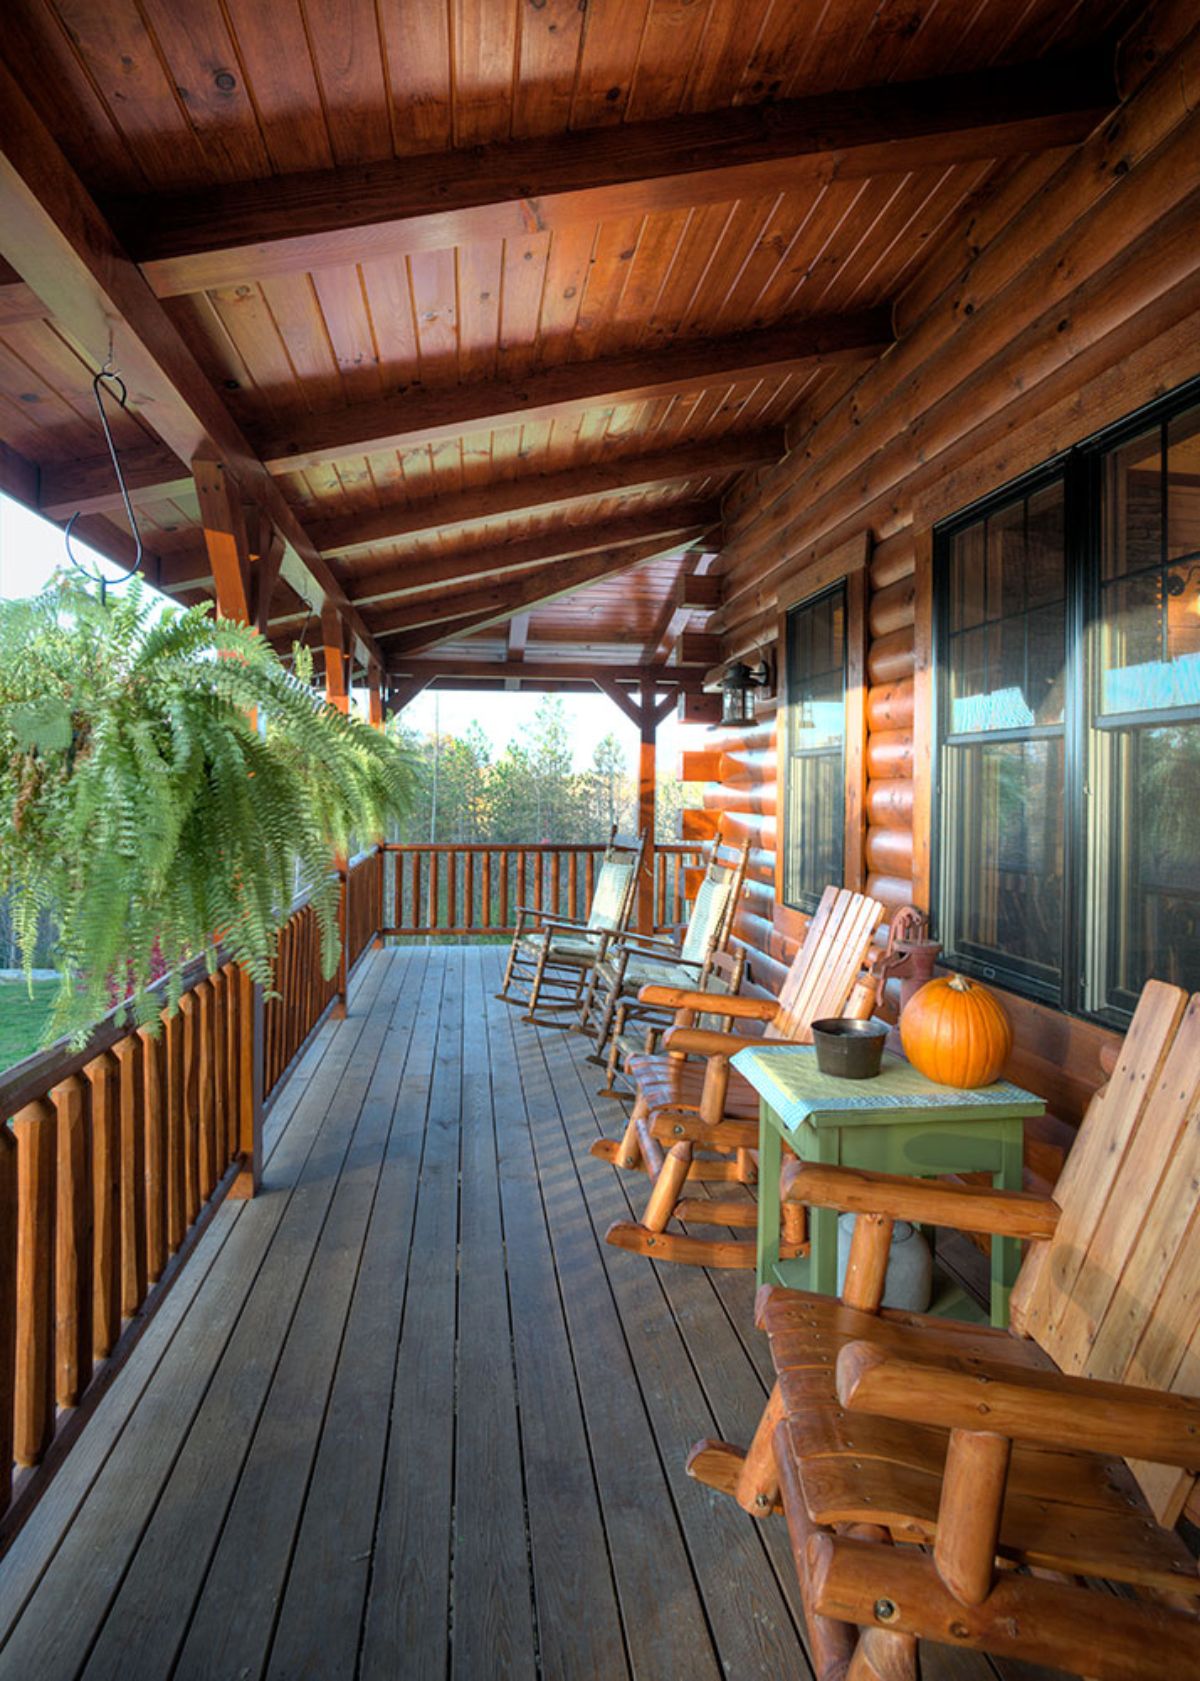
(1068, 298)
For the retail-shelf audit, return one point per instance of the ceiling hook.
(108, 376)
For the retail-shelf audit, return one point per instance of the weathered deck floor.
(406, 1415)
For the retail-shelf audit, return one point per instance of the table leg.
(1006, 1251)
(823, 1222)
(770, 1158)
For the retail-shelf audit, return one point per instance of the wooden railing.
(460, 889)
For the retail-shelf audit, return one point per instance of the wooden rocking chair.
(631, 961)
(1027, 1460)
(638, 1028)
(705, 1105)
(552, 956)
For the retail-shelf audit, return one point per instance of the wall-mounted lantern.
(737, 691)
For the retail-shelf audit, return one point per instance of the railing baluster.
(206, 1093)
(33, 1404)
(556, 883)
(154, 1122)
(191, 1106)
(573, 885)
(176, 1198)
(590, 875)
(485, 890)
(9, 1174)
(106, 1206)
(468, 890)
(72, 1245)
(434, 886)
(452, 890)
(220, 1092)
(128, 1053)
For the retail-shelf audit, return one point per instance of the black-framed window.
(815, 763)
(1067, 662)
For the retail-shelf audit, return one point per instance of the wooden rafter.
(542, 492)
(199, 241)
(413, 417)
(678, 524)
(497, 602)
(64, 250)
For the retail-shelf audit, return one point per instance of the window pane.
(1149, 645)
(1007, 641)
(1149, 921)
(816, 726)
(1002, 857)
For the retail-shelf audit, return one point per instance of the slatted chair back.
(1115, 1294)
(711, 919)
(825, 969)
(616, 886)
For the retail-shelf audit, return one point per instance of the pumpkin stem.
(959, 983)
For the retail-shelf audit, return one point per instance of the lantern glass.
(737, 696)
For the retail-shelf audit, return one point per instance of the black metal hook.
(107, 375)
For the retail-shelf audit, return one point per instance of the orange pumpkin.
(956, 1032)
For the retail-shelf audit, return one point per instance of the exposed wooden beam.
(153, 473)
(225, 539)
(679, 524)
(431, 667)
(18, 302)
(417, 416)
(61, 246)
(402, 691)
(543, 492)
(551, 584)
(528, 590)
(193, 242)
(630, 707)
(337, 665)
(518, 636)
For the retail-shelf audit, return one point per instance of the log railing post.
(250, 1084)
(8, 1307)
(33, 1405)
(72, 1245)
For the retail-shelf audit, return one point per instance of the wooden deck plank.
(318, 1634)
(408, 1606)
(493, 1600)
(566, 1530)
(59, 1624)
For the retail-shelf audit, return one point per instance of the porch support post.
(647, 766)
(375, 694)
(224, 537)
(337, 693)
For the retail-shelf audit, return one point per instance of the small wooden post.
(375, 694)
(8, 1307)
(72, 1246)
(337, 693)
(33, 1406)
(250, 1085)
(647, 774)
(128, 1053)
(106, 1206)
(224, 537)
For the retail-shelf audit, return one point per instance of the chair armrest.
(701, 1041)
(1045, 1408)
(713, 1003)
(649, 942)
(965, 1208)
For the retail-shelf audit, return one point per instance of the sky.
(31, 550)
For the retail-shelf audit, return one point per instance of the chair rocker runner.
(691, 1105)
(1067, 1446)
(551, 956)
(631, 961)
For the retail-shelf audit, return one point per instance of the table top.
(787, 1078)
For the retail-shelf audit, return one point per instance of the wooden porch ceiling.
(433, 352)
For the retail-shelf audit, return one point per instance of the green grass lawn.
(22, 1018)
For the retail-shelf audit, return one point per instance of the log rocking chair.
(703, 1105)
(551, 956)
(1024, 1461)
(629, 961)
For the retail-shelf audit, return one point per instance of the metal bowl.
(850, 1050)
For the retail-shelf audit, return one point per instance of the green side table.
(899, 1122)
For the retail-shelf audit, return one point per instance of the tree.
(610, 789)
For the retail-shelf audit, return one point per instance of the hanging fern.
(146, 806)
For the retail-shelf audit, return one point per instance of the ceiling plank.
(544, 492)
(153, 473)
(61, 246)
(416, 416)
(219, 237)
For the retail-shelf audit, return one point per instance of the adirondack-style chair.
(703, 1104)
(629, 961)
(1066, 1447)
(551, 956)
(638, 1028)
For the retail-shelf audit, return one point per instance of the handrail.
(459, 889)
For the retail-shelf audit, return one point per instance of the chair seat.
(571, 948)
(655, 971)
(1079, 1513)
(665, 1082)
